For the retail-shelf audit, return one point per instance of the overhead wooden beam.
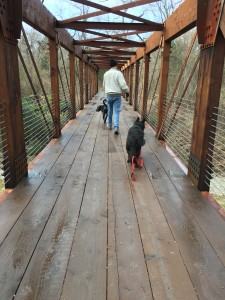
(81, 42)
(111, 10)
(36, 15)
(183, 19)
(108, 36)
(116, 8)
(116, 52)
(113, 44)
(76, 25)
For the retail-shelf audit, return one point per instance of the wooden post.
(131, 83)
(72, 83)
(86, 82)
(136, 83)
(163, 83)
(81, 84)
(145, 86)
(208, 96)
(53, 51)
(14, 154)
(127, 79)
(96, 79)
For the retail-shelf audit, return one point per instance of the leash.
(140, 163)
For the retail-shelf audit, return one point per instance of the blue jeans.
(113, 104)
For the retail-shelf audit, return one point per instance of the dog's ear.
(138, 119)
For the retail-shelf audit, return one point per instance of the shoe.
(116, 130)
(109, 127)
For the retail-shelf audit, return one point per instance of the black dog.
(103, 108)
(135, 140)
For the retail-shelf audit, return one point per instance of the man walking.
(114, 84)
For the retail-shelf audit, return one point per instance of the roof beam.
(116, 52)
(109, 57)
(112, 44)
(78, 25)
(115, 9)
(108, 36)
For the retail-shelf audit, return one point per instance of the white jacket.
(114, 82)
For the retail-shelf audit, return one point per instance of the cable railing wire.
(4, 154)
(215, 165)
(37, 133)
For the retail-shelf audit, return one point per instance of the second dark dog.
(103, 108)
(135, 140)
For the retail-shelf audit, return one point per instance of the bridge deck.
(79, 228)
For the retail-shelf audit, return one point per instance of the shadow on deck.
(79, 228)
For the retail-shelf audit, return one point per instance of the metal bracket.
(11, 19)
(194, 167)
(208, 18)
(21, 167)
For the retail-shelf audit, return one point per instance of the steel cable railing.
(38, 129)
(177, 131)
(65, 106)
(77, 85)
(4, 155)
(215, 168)
(152, 98)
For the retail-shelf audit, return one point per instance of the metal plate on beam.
(209, 14)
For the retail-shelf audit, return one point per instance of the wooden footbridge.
(73, 225)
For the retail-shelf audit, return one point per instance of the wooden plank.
(86, 272)
(132, 272)
(112, 266)
(164, 261)
(24, 235)
(16, 201)
(198, 253)
(58, 234)
(213, 225)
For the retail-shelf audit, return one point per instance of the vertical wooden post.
(131, 83)
(136, 81)
(146, 58)
(15, 158)
(127, 79)
(81, 83)
(86, 82)
(164, 72)
(72, 83)
(90, 82)
(96, 76)
(208, 96)
(53, 51)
